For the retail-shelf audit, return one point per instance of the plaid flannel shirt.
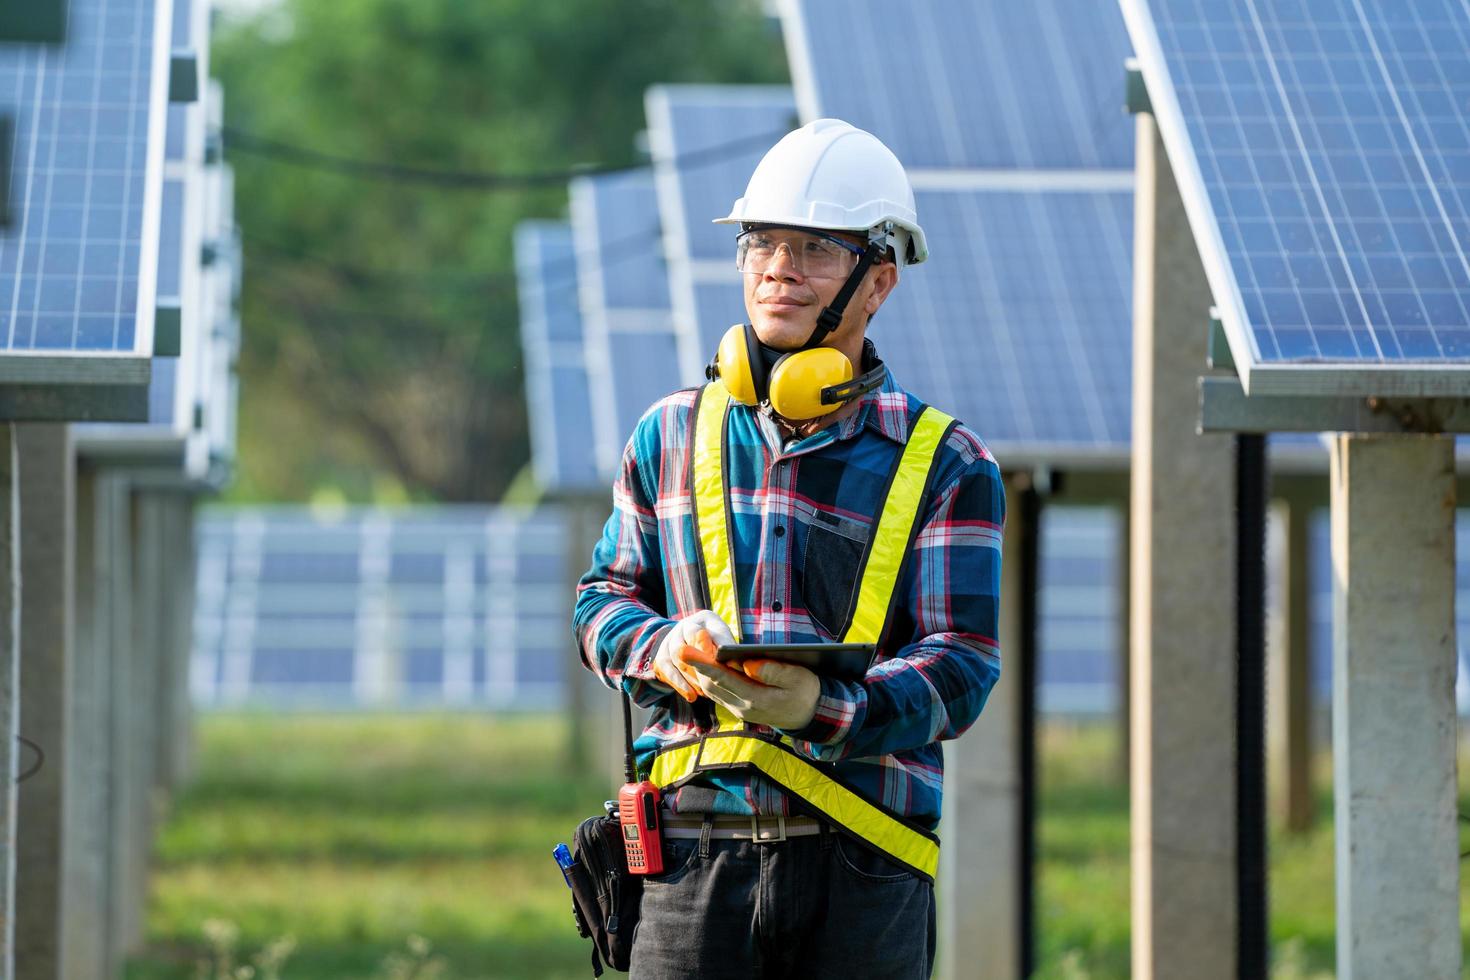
(801, 515)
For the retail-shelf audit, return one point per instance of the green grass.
(352, 833)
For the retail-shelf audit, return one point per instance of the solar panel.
(706, 140)
(441, 606)
(558, 401)
(78, 264)
(632, 359)
(1322, 149)
(1019, 324)
(949, 85)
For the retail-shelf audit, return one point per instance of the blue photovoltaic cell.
(171, 241)
(1333, 140)
(953, 85)
(1080, 609)
(70, 264)
(718, 306)
(557, 400)
(623, 284)
(616, 226)
(161, 387)
(1020, 323)
(645, 369)
(713, 136)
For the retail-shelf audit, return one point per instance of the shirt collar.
(885, 410)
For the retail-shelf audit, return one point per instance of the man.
(800, 497)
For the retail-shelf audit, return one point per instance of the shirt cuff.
(841, 706)
(645, 649)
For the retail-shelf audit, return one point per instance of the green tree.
(380, 318)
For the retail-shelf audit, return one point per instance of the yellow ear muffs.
(798, 378)
(732, 362)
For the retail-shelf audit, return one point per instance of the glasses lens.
(809, 255)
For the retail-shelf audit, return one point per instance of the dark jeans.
(809, 907)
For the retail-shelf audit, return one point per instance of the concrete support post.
(1125, 641)
(175, 730)
(1182, 607)
(981, 853)
(1288, 686)
(47, 547)
(9, 689)
(86, 926)
(126, 797)
(150, 674)
(1393, 707)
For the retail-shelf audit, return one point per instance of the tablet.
(843, 661)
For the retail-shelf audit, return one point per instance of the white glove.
(767, 692)
(669, 664)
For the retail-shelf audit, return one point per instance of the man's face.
(783, 300)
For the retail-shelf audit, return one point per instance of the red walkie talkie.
(638, 805)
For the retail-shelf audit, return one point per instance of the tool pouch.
(605, 895)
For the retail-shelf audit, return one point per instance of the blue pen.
(564, 861)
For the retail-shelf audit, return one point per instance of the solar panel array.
(449, 606)
(78, 262)
(632, 358)
(946, 85)
(460, 606)
(1323, 151)
(558, 399)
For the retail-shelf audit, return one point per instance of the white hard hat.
(833, 176)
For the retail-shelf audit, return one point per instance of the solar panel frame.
(1327, 375)
(27, 76)
(623, 293)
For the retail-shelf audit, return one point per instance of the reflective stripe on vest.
(732, 747)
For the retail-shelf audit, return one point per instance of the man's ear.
(884, 278)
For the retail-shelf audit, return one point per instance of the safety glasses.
(811, 254)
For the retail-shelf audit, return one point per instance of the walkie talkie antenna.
(630, 771)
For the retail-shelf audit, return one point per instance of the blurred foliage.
(381, 352)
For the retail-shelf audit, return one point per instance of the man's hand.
(702, 629)
(769, 692)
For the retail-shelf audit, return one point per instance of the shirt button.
(780, 531)
(775, 607)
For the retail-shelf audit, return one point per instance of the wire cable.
(301, 156)
(40, 759)
(558, 273)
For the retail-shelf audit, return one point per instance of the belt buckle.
(756, 833)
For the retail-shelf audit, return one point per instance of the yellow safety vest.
(730, 745)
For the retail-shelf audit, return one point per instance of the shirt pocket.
(829, 570)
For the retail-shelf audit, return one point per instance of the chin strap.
(831, 315)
